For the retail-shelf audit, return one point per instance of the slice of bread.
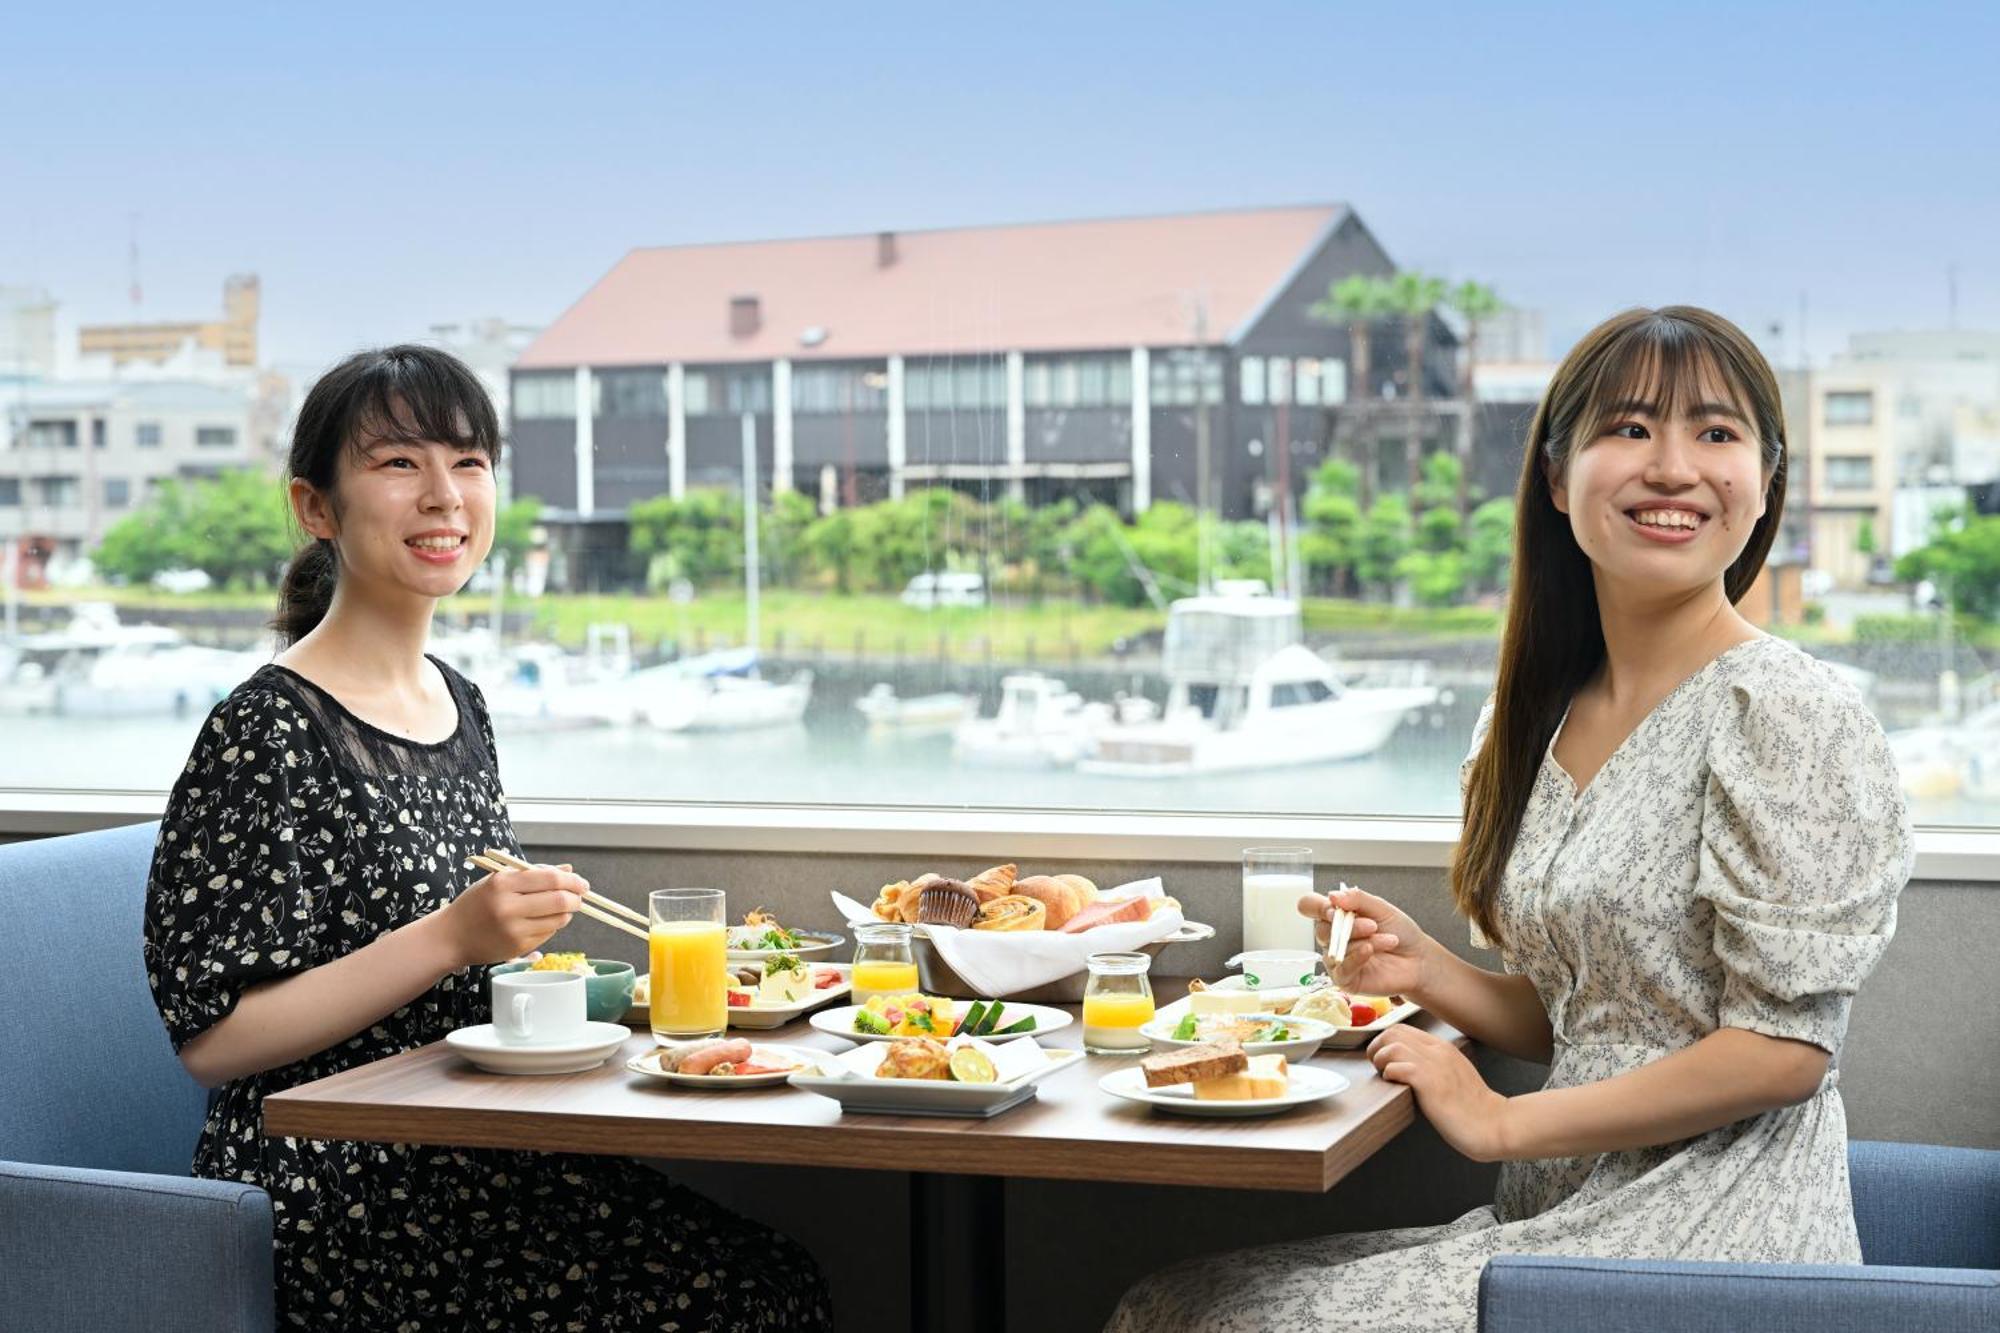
(1267, 1076)
(1192, 1064)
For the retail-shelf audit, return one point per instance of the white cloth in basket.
(998, 963)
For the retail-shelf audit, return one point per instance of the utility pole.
(1201, 464)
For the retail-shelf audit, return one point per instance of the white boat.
(1962, 759)
(1244, 692)
(922, 713)
(98, 667)
(1042, 723)
(722, 702)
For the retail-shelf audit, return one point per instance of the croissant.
(995, 882)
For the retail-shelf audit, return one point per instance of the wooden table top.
(1073, 1130)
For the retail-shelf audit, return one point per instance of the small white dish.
(850, 1080)
(481, 1044)
(1307, 1085)
(762, 1017)
(1342, 1039)
(1310, 1032)
(840, 1022)
(814, 945)
(797, 1059)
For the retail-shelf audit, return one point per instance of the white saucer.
(1307, 1084)
(480, 1045)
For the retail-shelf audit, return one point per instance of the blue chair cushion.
(92, 1080)
(1540, 1294)
(1924, 1206)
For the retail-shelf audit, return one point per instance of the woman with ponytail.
(309, 910)
(1684, 837)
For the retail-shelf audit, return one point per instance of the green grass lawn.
(879, 625)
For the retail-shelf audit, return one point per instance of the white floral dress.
(299, 833)
(1735, 863)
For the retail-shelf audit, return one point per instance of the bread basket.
(938, 978)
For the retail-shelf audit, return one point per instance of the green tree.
(1864, 540)
(1047, 545)
(1331, 540)
(1413, 296)
(241, 529)
(698, 537)
(1385, 539)
(1963, 557)
(514, 530)
(831, 540)
(1356, 301)
(151, 539)
(1437, 578)
(1489, 548)
(781, 538)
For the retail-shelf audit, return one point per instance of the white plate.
(765, 1016)
(852, 1083)
(1311, 1033)
(803, 1058)
(840, 1022)
(1342, 1039)
(481, 1045)
(814, 945)
(1307, 1085)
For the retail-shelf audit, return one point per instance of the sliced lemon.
(969, 1064)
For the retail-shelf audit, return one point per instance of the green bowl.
(607, 996)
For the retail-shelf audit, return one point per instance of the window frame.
(1944, 854)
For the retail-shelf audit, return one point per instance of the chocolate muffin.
(947, 902)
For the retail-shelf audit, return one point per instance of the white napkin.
(999, 963)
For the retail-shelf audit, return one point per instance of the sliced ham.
(1106, 911)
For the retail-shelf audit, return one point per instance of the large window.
(1850, 408)
(820, 390)
(545, 396)
(1850, 474)
(981, 600)
(630, 394)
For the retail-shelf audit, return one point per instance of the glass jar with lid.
(883, 962)
(1117, 1002)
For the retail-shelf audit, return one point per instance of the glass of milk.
(1274, 879)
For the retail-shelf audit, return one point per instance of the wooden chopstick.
(596, 900)
(488, 863)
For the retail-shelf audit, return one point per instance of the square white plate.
(856, 1088)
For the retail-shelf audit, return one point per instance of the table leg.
(958, 1253)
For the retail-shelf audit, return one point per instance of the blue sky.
(384, 168)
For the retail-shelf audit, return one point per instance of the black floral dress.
(299, 833)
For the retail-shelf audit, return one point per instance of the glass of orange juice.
(690, 996)
(1117, 1002)
(883, 963)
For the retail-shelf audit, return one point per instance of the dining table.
(1071, 1130)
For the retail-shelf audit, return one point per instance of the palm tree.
(1473, 301)
(1414, 296)
(1357, 301)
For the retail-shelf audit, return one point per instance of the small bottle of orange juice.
(1117, 1002)
(883, 964)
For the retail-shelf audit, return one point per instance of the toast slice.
(1190, 1064)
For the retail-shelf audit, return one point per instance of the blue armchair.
(1930, 1235)
(101, 1225)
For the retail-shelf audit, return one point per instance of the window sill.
(1960, 855)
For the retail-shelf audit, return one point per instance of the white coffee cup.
(538, 1008)
(1276, 969)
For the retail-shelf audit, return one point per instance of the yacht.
(1244, 692)
(98, 667)
(888, 712)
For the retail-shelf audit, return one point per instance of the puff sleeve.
(1805, 843)
(230, 899)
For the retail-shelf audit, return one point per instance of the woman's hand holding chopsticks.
(1372, 946)
(510, 912)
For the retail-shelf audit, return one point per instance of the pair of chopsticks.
(594, 905)
(1341, 932)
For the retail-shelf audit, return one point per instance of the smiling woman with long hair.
(309, 911)
(1685, 838)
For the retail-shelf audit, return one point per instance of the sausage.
(705, 1059)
